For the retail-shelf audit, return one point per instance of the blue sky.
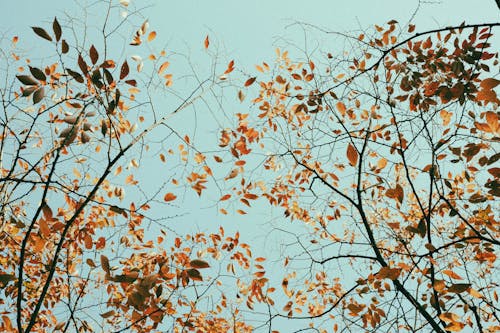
(248, 32)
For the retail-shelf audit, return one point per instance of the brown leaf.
(82, 64)
(57, 29)
(495, 172)
(5, 278)
(241, 96)
(64, 46)
(27, 80)
(37, 73)
(105, 263)
(194, 274)
(352, 155)
(38, 95)
(389, 273)
(27, 91)
(422, 228)
(124, 70)
(75, 75)
(42, 33)
(250, 81)
(197, 263)
(107, 314)
(458, 288)
(94, 55)
(399, 193)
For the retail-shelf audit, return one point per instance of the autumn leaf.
(352, 155)
(197, 263)
(42, 33)
(458, 288)
(489, 83)
(151, 36)
(105, 263)
(94, 55)
(194, 274)
(206, 43)
(452, 274)
(56, 27)
(249, 81)
(163, 67)
(124, 70)
(169, 197)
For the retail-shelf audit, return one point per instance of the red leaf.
(206, 42)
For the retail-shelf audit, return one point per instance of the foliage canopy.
(386, 158)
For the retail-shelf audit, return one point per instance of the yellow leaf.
(445, 116)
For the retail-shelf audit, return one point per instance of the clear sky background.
(248, 32)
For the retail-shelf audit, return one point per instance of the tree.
(389, 158)
(386, 157)
(76, 128)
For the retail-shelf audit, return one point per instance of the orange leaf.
(163, 67)
(151, 36)
(250, 81)
(169, 197)
(455, 326)
(352, 155)
(341, 108)
(206, 42)
(452, 274)
(489, 83)
(44, 227)
(225, 197)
